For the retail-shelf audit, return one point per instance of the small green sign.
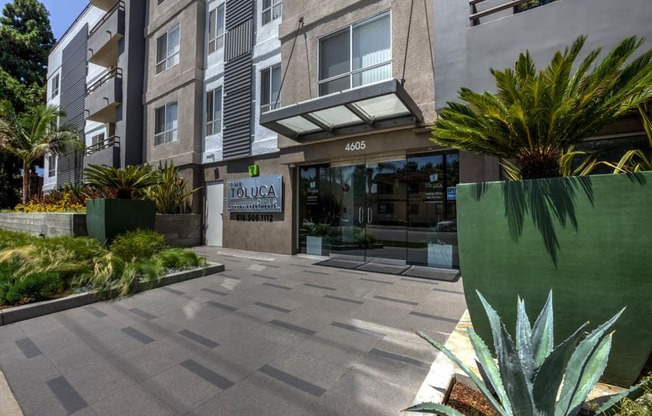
(253, 170)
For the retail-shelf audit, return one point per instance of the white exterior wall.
(91, 15)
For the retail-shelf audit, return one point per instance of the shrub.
(9, 239)
(33, 287)
(177, 258)
(139, 244)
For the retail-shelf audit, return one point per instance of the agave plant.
(128, 182)
(536, 115)
(527, 375)
(172, 195)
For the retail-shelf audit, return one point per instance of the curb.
(33, 310)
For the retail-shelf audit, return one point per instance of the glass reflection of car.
(446, 226)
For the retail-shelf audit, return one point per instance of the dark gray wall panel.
(73, 92)
(238, 78)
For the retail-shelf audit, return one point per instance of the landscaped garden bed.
(34, 269)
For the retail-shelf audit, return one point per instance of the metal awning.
(380, 106)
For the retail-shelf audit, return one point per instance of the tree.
(537, 115)
(33, 134)
(25, 42)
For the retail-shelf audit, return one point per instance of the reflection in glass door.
(399, 211)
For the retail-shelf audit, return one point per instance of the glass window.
(272, 9)
(52, 165)
(358, 55)
(214, 111)
(216, 29)
(97, 141)
(167, 50)
(270, 88)
(166, 123)
(55, 85)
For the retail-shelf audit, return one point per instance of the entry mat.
(446, 275)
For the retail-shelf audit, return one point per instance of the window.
(52, 165)
(55, 85)
(166, 123)
(272, 10)
(355, 56)
(270, 88)
(160, 1)
(214, 111)
(97, 141)
(216, 29)
(167, 50)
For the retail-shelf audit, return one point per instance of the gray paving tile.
(199, 339)
(98, 380)
(207, 374)
(215, 292)
(366, 279)
(454, 292)
(21, 372)
(222, 306)
(94, 311)
(319, 286)
(297, 328)
(134, 400)
(357, 302)
(389, 299)
(278, 286)
(38, 400)
(357, 329)
(66, 394)
(264, 276)
(142, 313)
(273, 307)
(73, 357)
(292, 380)
(401, 358)
(437, 318)
(316, 272)
(136, 334)
(28, 348)
(172, 290)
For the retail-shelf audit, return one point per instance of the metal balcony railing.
(516, 5)
(113, 141)
(118, 6)
(114, 72)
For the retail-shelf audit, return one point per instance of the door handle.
(369, 217)
(360, 215)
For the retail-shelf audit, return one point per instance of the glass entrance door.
(392, 210)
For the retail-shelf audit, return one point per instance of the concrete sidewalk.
(272, 335)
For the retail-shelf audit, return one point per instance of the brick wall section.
(179, 230)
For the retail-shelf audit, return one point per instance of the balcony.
(494, 9)
(104, 37)
(106, 152)
(104, 96)
(103, 4)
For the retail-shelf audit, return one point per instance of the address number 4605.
(353, 146)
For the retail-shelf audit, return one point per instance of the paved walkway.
(272, 335)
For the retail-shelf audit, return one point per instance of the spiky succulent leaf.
(478, 382)
(434, 408)
(551, 373)
(518, 388)
(524, 341)
(542, 333)
(489, 369)
(589, 358)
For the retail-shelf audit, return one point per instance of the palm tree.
(537, 115)
(34, 134)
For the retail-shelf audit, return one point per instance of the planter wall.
(587, 239)
(108, 218)
(183, 230)
(46, 224)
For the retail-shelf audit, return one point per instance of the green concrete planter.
(108, 218)
(586, 238)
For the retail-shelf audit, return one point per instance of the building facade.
(305, 124)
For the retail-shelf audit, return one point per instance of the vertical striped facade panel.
(73, 92)
(238, 78)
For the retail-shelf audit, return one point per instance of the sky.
(62, 13)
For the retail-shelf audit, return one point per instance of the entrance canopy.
(384, 105)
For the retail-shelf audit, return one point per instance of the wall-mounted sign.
(260, 194)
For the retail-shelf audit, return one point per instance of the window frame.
(211, 120)
(55, 89)
(350, 74)
(94, 138)
(217, 42)
(166, 62)
(273, 103)
(273, 4)
(168, 136)
(52, 166)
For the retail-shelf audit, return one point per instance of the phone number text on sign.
(254, 217)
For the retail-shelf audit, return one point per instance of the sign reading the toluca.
(259, 194)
